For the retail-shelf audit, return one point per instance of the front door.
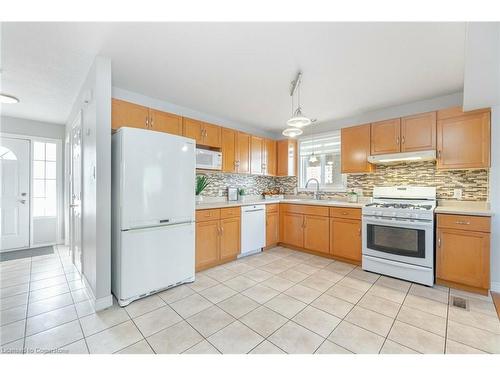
(76, 195)
(14, 192)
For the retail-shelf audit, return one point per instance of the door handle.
(74, 205)
(22, 201)
(403, 140)
(439, 242)
(397, 140)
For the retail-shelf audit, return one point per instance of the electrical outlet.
(457, 193)
(221, 192)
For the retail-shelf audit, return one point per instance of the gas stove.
(403, 202)
(398, 233)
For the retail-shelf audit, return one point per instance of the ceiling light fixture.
(298, 120)
(8, 99)
(292, 132)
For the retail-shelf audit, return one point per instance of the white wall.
(94, 100)
(32, 128)
(162, 105)
(482, 89)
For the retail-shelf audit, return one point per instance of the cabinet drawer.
(206, 215)
(226, 213)
(464, 222)
(305, 209)
(346, 213)
(272, 208)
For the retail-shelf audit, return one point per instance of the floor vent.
(459, 302)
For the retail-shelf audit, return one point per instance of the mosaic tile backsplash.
(474, 183)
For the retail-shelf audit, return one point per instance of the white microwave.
(207, 159)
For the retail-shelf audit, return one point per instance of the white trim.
(495, 286)
(97, 303)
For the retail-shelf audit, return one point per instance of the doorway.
(75, 204)
(14, 191)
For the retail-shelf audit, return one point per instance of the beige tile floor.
(280, 301)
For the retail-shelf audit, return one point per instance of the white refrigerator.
(153, 212)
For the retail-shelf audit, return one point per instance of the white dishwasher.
(253, 229)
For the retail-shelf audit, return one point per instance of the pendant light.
(292, 132)
(298, 120)
(313, 160)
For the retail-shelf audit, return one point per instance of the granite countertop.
(325, 202)
(464, 208)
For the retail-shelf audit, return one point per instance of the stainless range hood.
(403, 157)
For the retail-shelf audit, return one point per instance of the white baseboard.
(495, 287)
(97, 303)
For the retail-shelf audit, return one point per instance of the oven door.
(405, 241)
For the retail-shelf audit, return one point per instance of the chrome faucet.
(316, 193)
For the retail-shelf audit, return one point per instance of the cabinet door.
(166, 122)
(211, 135)
(256, 155)
(128, 114)
(243, 152)
(230, 238)
(293, 230)
(316, 233)
(355, 149)
(464, 141)
(287, 157)
(192, 129)
(228, 150)
(418, 133)
(207, 244)
(463, 257)
(270, 157)
(385, 136)
(345, 238)
(272, 228)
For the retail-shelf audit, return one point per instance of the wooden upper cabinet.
(316, 230)
(418, 132)
(242, 152)
(286, 157)
(165, 122)
(355, 149)
(128, 114)
(385, 137)
(269, 164)
(256, 160)
(192, 129)
(228, 147)
(211, 135)
(463, 139)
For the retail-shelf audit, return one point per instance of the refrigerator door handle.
(159, 225)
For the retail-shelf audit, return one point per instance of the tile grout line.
(27, 308)
(447, 321)
(71, 294)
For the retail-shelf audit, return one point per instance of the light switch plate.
(457, 193)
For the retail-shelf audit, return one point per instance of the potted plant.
(200, 185)
(242, 193)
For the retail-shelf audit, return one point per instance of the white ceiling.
(237, 71)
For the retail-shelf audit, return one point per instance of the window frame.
(340, 188)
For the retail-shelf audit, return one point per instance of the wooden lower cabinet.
(462, 255)
(293, 229)
(229, 238)
(272, 228)
(207, 244)
(217, 239)
(345, 239)
(316, 233)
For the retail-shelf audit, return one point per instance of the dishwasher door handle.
(256, 210)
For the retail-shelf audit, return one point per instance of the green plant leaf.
(201, 184)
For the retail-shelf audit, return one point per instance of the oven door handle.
(406, 223)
